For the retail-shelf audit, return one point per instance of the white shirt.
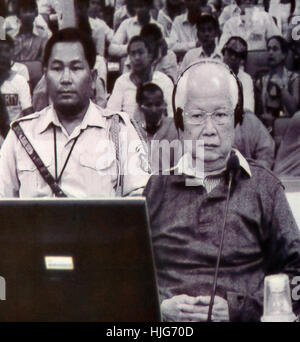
(21, 69)
(197, 54)
(101, 34)
(254, 29)
(12, 26)
(129, 28)
(183, 36)
(124, 93)
(248, 90)
(16, 94)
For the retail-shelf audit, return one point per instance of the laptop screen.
(77, 260)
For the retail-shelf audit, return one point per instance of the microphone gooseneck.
(232, 167)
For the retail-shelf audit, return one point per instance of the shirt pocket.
(100, 173)
(31, 181)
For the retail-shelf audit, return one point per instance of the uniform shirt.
(255, 30)
(183, 36)
(120, 15)
(92, 167)
(261, 237)
(129, 28)
(124, 93)
(16, 93)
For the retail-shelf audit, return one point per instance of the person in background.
(123, 13)
(253, 24)
(155, 127)
(287, 162)
(208, 34)
(73, 137)
(123, 97)
(14, 88)
(187, 210)
(12, 22)
(164, 59)
(168, 13)
(131, 27)
(183, 36)
(278, 90)
(95, 9)
(235, 54)
(28, 45)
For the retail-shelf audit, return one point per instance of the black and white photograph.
(149, 163)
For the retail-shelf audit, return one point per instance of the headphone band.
(178, 111)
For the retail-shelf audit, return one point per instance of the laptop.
(70, 260)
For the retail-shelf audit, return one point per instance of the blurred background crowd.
(143, 46)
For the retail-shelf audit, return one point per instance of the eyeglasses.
(200, 117)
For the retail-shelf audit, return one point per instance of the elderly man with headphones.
(220, 223)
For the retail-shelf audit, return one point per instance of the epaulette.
(32, 116)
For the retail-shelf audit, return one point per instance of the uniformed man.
(80, 149)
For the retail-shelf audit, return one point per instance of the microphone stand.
(214, 288)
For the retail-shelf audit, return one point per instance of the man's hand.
(184, 308)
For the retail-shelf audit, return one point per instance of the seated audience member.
(14, 88)
(281, 11)
(96, 9)
(123, 13)
(52, 12)
(208, 33)
(164, 59)
(28, 45)
(235, 53)
(68, 135)
(228, 11)
(155, 127)
(253, 24)
(187, 211)
(278, 90)
(131, 27)
(254, 141)
(167, 15)
(12, 23)
(123, 97)
(183, 35)
(287, 162)
(20, 69)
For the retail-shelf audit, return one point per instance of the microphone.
(232, 168)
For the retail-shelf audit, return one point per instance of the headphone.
(178, 111)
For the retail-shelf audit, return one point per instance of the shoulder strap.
(37, 160)
(114, 132)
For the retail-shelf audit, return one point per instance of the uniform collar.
(93, 117)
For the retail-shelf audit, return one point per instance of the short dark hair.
(26, 4)
(136, 39)
(8, 40)
(71, 34)
(206, 19)
(242, 41)
(149, 86)
(151, 30)
(283, 43)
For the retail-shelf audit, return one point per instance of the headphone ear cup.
(179, 119)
